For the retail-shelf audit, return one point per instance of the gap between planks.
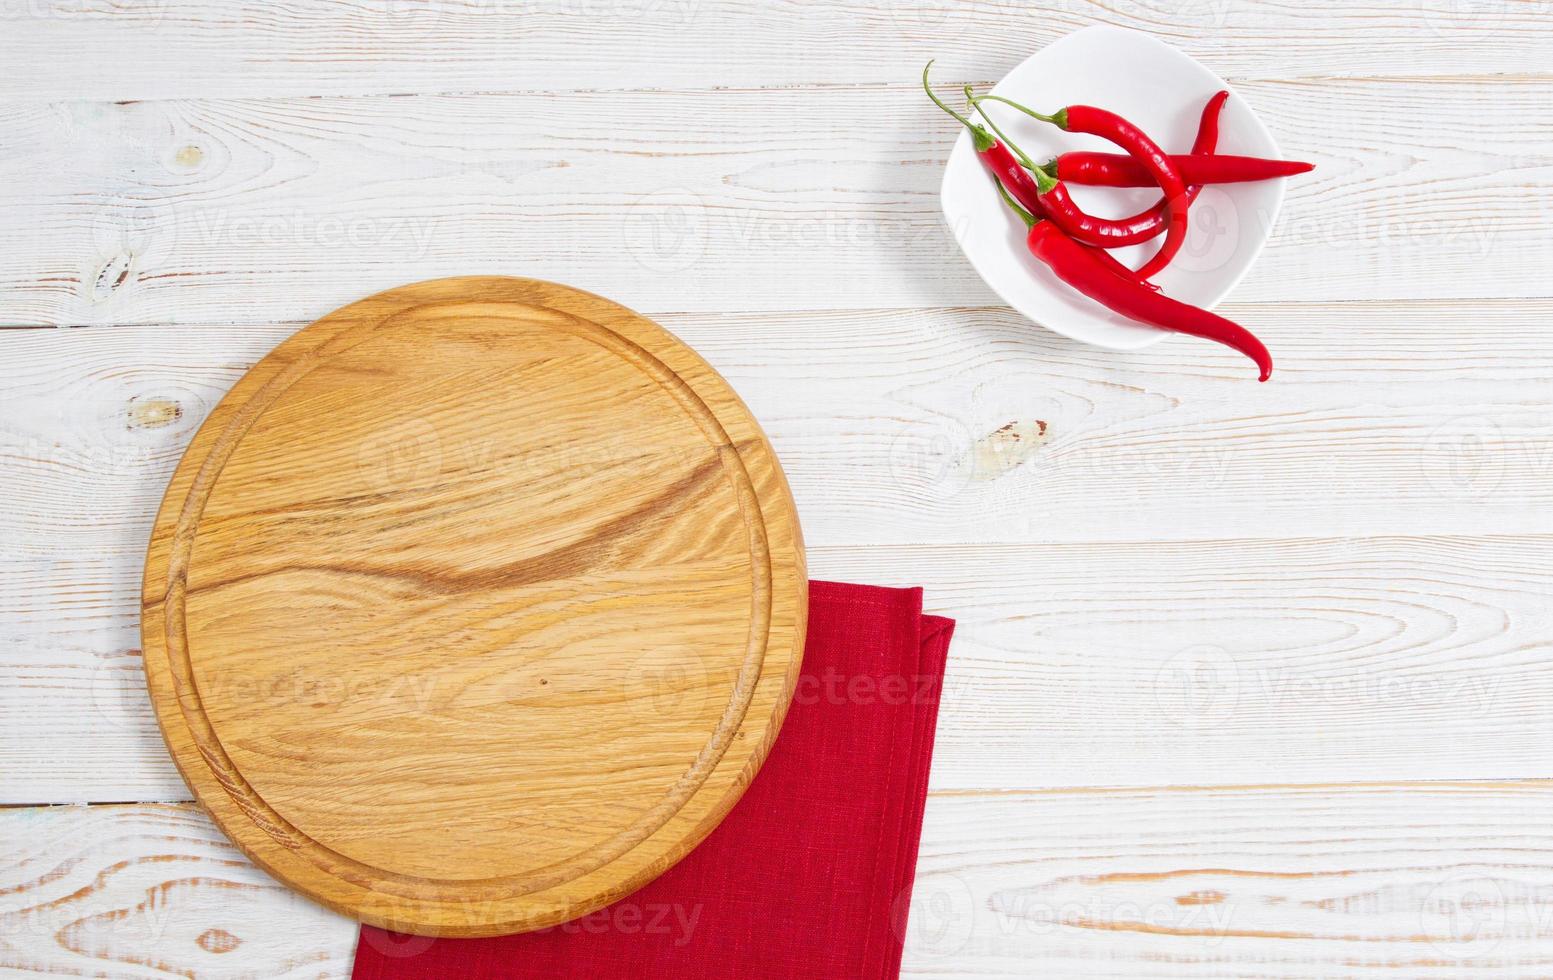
(1140, 790)
(1375, 303)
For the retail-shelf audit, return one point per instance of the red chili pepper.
(1197, 167)
(1108, 261)
(1075, 265)
(1014, 179)
(1105, 233)
(1116, 232)
(1207, 138)
(995, 156)
(1149, 222)
(1108, 125)
(1085, 227)
(1118, 268)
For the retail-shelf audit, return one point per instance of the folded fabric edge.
(906, 600)
(936, 632)
(899, 776)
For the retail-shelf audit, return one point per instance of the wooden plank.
(1429, 419)
(1428, 880)
(151, 891)
(1421, 880)
(697, 200)
(95, 49)
(1073, 665)
(1235, 661)
(1149, 520)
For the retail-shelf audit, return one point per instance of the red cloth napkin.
(809, 876)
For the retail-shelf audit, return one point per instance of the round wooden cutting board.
(474, 606)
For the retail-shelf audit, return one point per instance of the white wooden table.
(1249, 680)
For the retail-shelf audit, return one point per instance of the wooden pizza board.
(474, 606)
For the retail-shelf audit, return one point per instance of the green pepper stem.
(1026, 215)
(1044, 182)
(979, 135)
(1058, 118)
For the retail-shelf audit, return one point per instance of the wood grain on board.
(474, 606)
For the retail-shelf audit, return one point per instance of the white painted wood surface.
(1249, 680)
(1437, 879)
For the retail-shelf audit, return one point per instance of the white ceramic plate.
(1160, 89)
